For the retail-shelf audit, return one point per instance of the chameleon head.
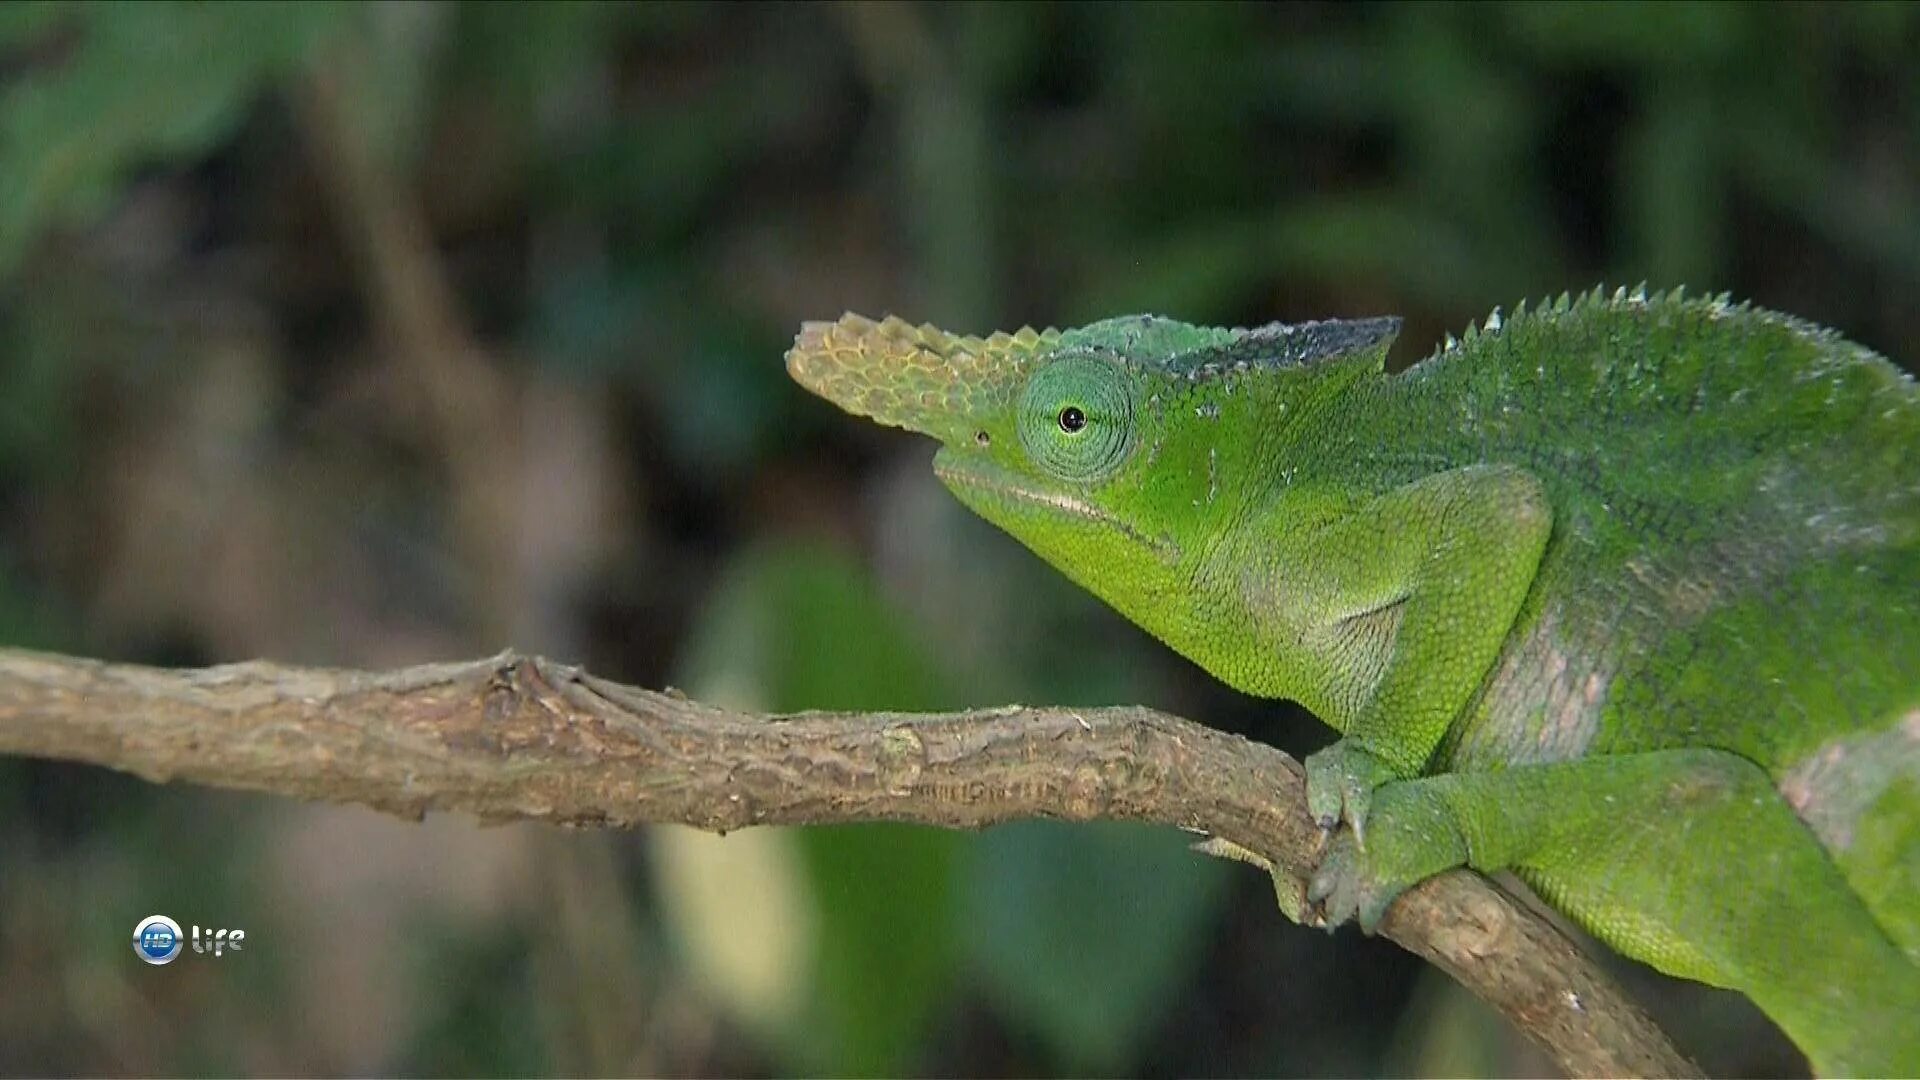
(1111, 450)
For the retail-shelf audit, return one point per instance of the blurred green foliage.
(213, 445)
(1082, 933)
(134, 85)
(803, 627)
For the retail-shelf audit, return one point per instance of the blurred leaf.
(1086, 932)
(887, 948)
(1666, 35)
(1471, 131)
(745, 919)
(25, 20)
(1211, 271)
(589, 323)
(718, 404)
(802, 626)
(1795, 174)
(1671, 186)
(798, 625)
(29, 620)
(666, 160)
(144, 84)
(1446, 1031)
(477, 1022)
(515, 52)
(703, 370)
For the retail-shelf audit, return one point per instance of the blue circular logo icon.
(156, 939)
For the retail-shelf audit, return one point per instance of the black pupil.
(1072, 419)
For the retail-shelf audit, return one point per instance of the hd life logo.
(157, 940)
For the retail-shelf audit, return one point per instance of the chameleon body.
(1621, 593)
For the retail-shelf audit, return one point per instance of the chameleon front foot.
(1343, 888)
(1340, 783)
(1411, 837)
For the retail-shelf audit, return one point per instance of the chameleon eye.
(1076, 418)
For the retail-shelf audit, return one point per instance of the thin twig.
(515, 737)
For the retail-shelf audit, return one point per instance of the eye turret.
(1076, 417)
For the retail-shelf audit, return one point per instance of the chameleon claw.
(1344, 888)
(1340, 783)
(1332, 892)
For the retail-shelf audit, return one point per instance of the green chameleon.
(1621, 593)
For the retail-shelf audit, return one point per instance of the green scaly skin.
(1622, 593)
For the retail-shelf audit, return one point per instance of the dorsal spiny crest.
(1675, 302)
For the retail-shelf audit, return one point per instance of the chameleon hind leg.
(1688, 860)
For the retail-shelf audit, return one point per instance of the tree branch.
(515, 737)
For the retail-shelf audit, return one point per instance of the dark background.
(367, 336)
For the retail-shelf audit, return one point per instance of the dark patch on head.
(1289, 345)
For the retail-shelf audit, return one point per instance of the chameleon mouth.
(987, 479)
